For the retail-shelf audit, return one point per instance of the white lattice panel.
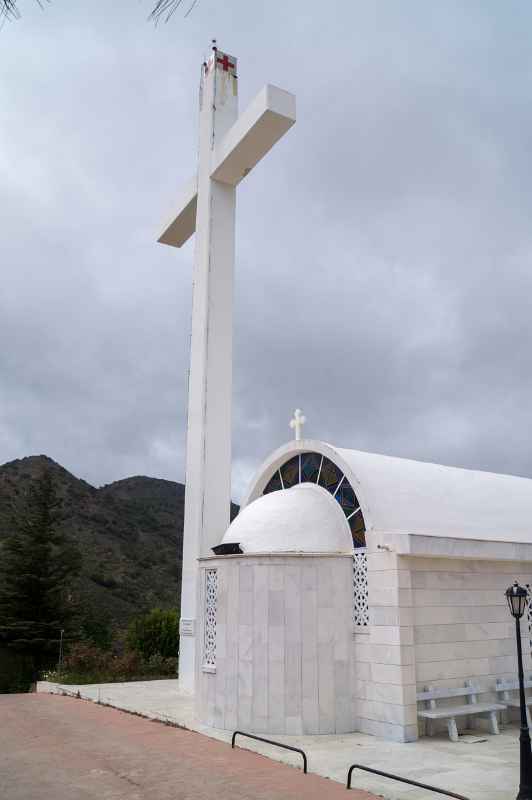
(211, 592)
(360, 589)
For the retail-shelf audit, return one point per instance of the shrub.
(158, 665)
(85, 657)
(87, 664)
(155, 633)
(127, 666)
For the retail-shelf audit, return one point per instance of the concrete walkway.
(58, 748)
(479, 766)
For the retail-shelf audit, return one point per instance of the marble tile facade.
(283, 646)
(288, 661)
(437, 622)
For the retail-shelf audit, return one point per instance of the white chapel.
(349, 581)
(362, 579)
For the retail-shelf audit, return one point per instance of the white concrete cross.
(297, 423)
(229, 147)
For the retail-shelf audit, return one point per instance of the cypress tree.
(37, 567)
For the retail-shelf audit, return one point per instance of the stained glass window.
(310, 467)
(273, 484)
(315, 468)
(358, 529)
(330, 475)
(346, 497)
(290, 472)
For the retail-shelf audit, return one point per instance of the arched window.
(315, 468)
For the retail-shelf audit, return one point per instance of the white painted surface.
(398, 495)
(208, 460)
(303, 519)
(182, 223)
(226, 145)
(269, 116)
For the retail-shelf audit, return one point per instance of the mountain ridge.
(130, 534)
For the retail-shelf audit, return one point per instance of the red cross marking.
(226, 64)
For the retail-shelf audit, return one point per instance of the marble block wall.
(383, 658)
(462, 626)
(283, 645)
(434, 621)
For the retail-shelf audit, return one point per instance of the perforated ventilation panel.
(360, 590)
(211, 595)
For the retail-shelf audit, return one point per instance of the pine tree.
(37, 567)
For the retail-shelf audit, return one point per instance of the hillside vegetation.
(130, 534)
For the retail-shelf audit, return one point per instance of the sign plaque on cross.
(229, 147)
(186, 627)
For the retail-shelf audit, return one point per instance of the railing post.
(401, 780)
(276, 744)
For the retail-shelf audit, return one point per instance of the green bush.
(155, 634)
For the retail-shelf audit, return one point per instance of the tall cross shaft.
(229, 147)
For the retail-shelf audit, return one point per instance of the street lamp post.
(517, 598)
(60, 664)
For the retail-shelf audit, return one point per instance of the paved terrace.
(58, 748)
(480, 766)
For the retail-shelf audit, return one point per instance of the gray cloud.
(383, 247)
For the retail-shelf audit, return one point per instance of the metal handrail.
(269, 741)
(402, 780)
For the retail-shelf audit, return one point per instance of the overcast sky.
(384, 257)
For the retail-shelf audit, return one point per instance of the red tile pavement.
(60, 748)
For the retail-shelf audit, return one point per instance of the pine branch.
(9, 9)
(164, 9)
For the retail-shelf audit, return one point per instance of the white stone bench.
(504, 687)
(433, 712)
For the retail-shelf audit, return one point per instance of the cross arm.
(269, 116)
(182, 224)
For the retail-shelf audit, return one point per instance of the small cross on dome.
(297, 423)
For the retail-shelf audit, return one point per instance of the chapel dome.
(414, 498)
(303, 519)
